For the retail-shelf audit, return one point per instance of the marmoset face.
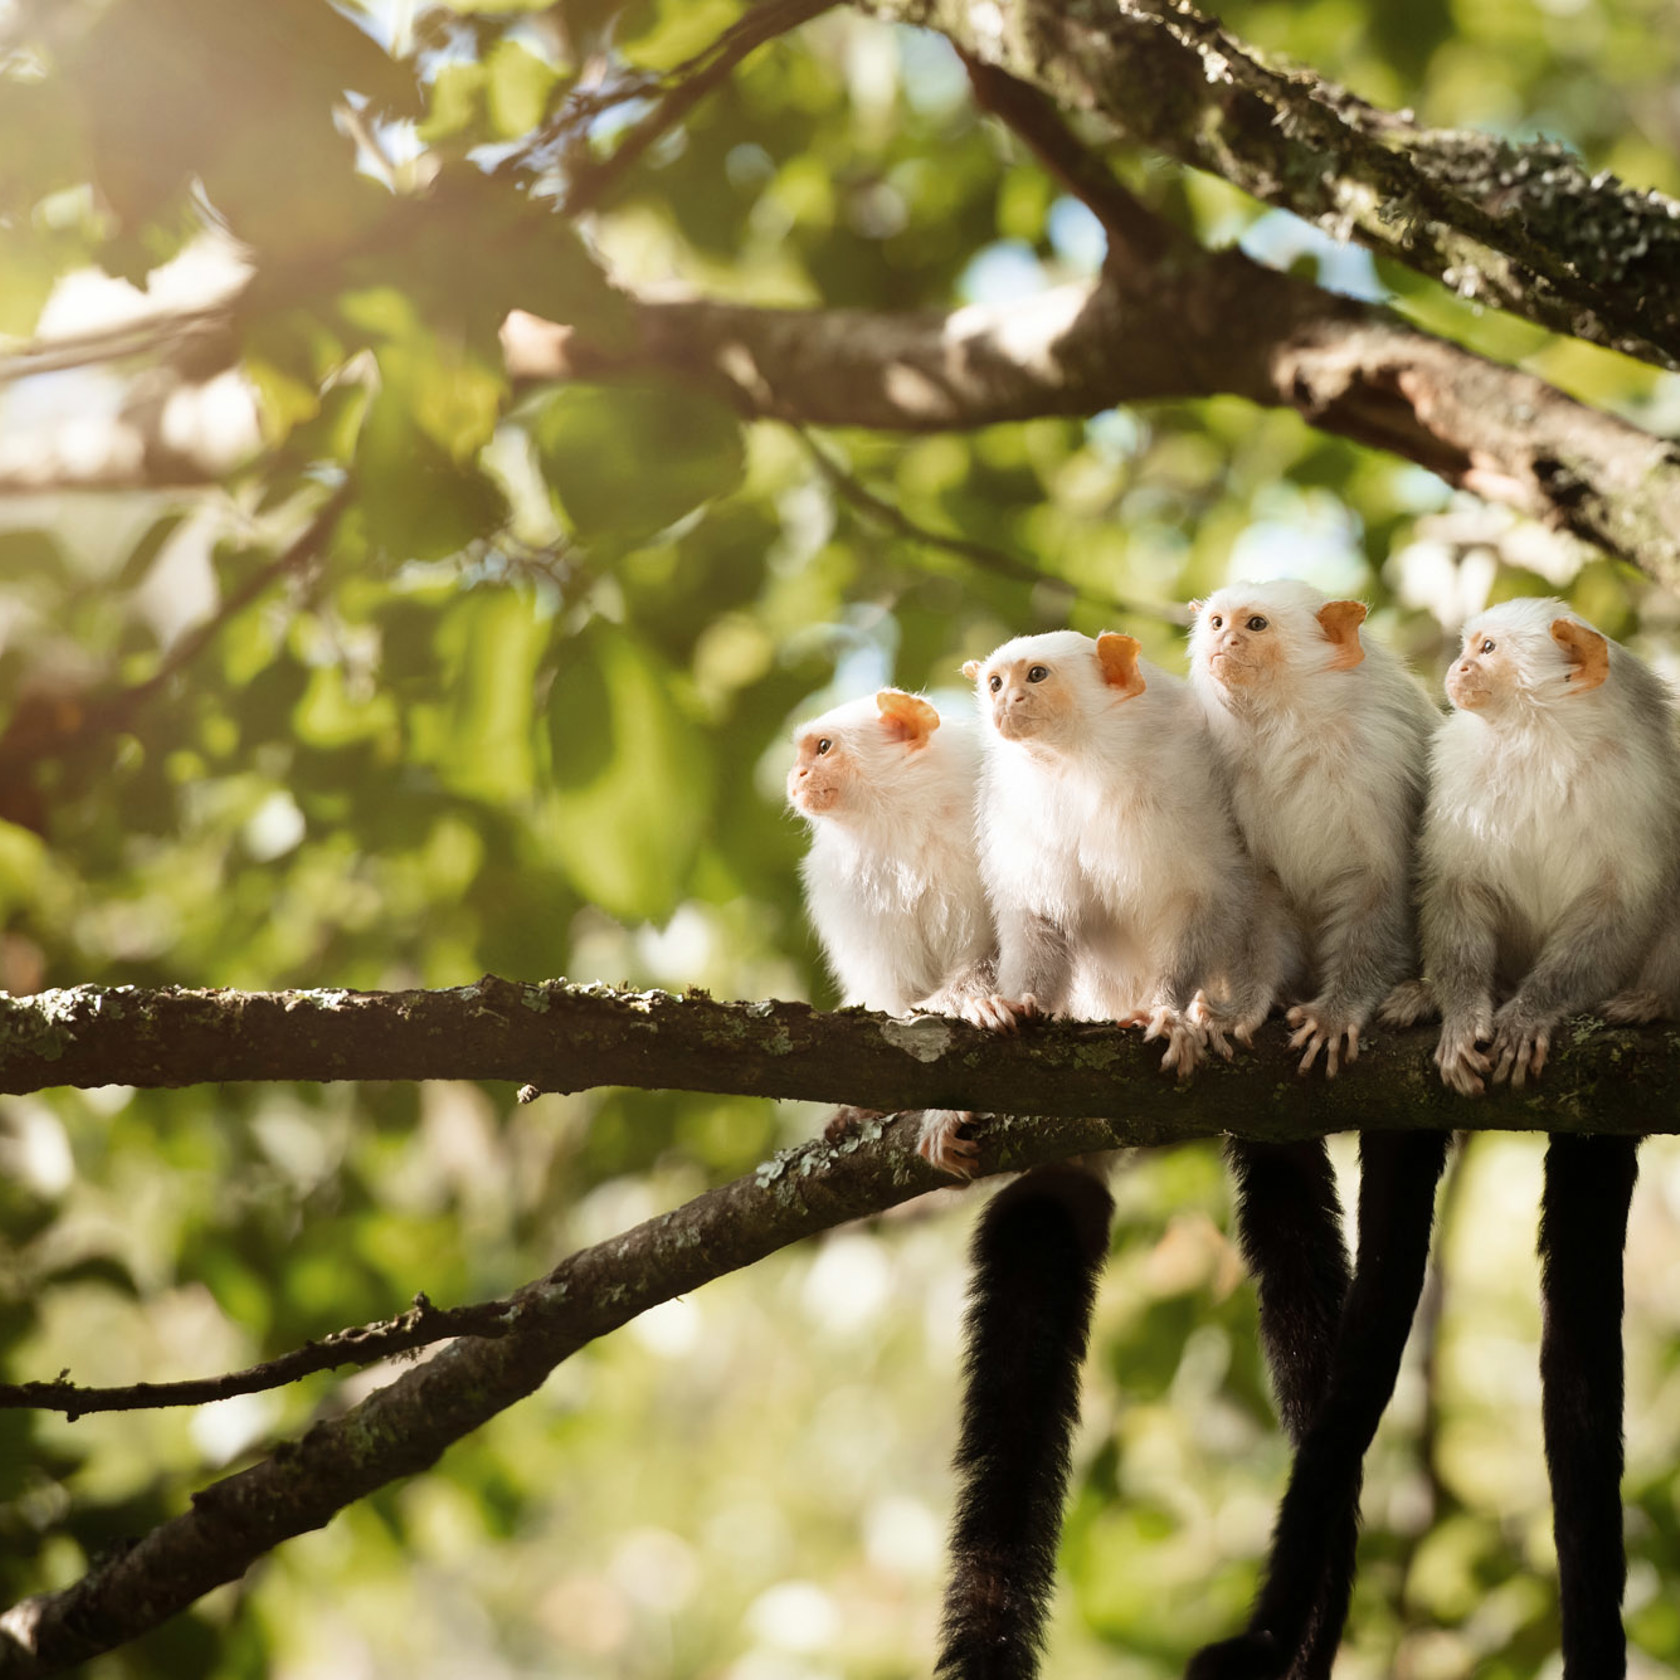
(1484, 673)
(821, 768)
(1239, 640)
(1025, 697)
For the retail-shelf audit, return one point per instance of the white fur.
(1114, 827)
(1327, 766)
(891, 880)
(1542, 800)
(1551, 846)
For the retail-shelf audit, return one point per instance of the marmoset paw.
(1519, 1047)
(996, 1013)
(1250, 1656)
(1464, 1067)
(942, 1144)
(1186, 1042)
(1627, 1008)
(1315, 1031)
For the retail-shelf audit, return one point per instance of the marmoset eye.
(1037, 674)
(1257, 623)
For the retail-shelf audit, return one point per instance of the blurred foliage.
(524, 710)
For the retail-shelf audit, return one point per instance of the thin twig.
(366, 1344)
(293, 557)
(115, 343)
(686, 86)
(996, 560)
(1134, 231)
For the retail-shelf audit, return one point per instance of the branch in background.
(1136, 235)
(366, 1344)
(858, 495)
(1216, 324)
(563, 1037)
(1526, 228)
(403, 1428)
(1199, 324)
(200, 334)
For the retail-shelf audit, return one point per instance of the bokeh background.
(521, 705)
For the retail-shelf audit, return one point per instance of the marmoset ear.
(1118, 657)
(907, 717)
(1589, 654)
(1340, 621)
(972, 669)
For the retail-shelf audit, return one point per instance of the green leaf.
(457, 99)
(628, 460)
(517, 89)
(489, 643)
(632, 777)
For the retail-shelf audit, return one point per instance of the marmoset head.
(1253, 639)
(1532, 651)
(850, 756)
(1043, 688)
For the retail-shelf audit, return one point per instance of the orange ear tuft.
(1340, 621)
(907, 717)
(1118, 657)
(1589, 653)
(972, 669)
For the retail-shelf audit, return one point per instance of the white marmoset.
(892, 882)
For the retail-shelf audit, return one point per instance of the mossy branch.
(1527, 228)
(562, 1037)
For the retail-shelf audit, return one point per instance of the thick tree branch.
(1524, 227)
(1208, 325)
(562, 1037)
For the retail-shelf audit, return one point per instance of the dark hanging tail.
(1289, 1224)
(1038, 1250)
(1298, 1616)
(1583, 1226)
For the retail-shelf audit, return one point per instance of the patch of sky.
(1117, 434)
(1005, 272)
(1077, 236)
(1279, 240)
(749, 166)
(932, 75)
(1308, 534)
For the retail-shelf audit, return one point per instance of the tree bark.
(1526, 228)
(1213, 325)
(562, 1037)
